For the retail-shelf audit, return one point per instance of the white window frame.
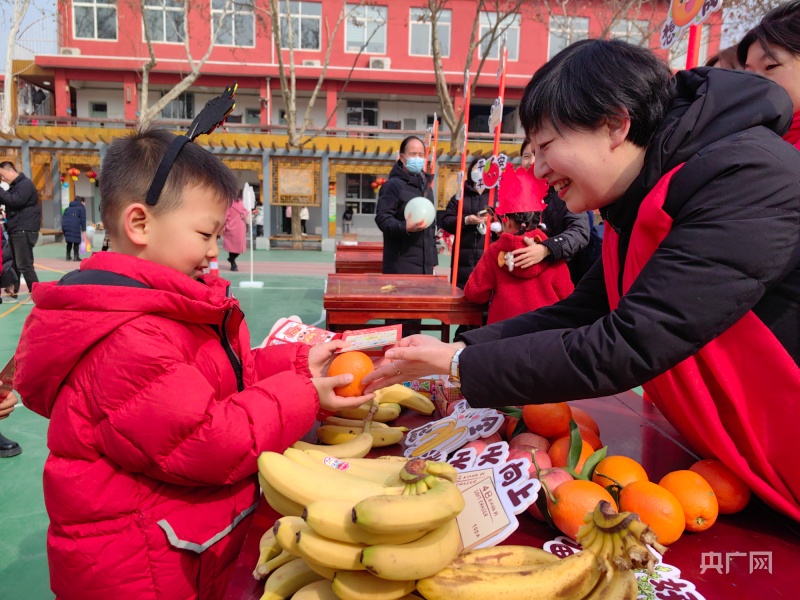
(94, 4)
(487, 20)
(565, 24)
(364, 12)
(677, 54)
(240, 8)
(638, 27)
(300, 16)
(160, 5)
(415, 24)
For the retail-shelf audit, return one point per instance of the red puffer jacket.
(158, 410)
(516, 291)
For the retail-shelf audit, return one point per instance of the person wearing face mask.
(472, 232)
(408, 247)
(772, 49)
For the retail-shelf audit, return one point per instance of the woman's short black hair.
(779, 27)
(591, 81)
(404, 143)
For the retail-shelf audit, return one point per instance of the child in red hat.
(513, 291)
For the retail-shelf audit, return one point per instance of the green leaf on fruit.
(511, 411)
(591, 463)
(575, 445)
(520, 428)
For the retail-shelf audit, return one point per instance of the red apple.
(530, 439)
(495, 437)
(479, 445)
(542, 459)
(553, 478)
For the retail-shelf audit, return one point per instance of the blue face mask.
(414, 164)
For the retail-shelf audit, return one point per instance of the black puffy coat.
(409, 253)
(73, 222)
(23, 211)
(472, 242)
(569, 236)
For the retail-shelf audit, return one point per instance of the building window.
(181, 107)
(632, 31)
(362, 113)
(306, 24)
(565, 31)
(164, 20)
(236, 22)
(366, 25)
(421, 36)
(252, 116)
(429, 120)
(359, 193)
(95, 19)
(677, 54)
(98, 110)
(488, 21)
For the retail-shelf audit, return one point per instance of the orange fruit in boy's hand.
(559, 453)
(573, 499)
(581, 417)
(618, 470)
(700, 507)
(549, 420)
(731, 491)
(358, 365)
(657, 507)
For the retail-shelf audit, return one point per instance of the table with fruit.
(625, 511)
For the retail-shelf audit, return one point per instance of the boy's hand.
(329, 401)
(7, 404)
(321, 356)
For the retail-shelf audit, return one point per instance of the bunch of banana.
(381, 436)
(406, 397)
(613, 545)
(386, 412)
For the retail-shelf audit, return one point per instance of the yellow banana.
(341, 421)
(321, 570)
(408, 562)
(319, 590)
(381, 436)
(509, 556)
(360, 585)
(400, 514)
(385, 413)
(289, 578)
(268, 548)
(570, 578)
(280, 503)
(286, 530)
(333, 519)
(358, 447)
(405, 396)
(269, 566)
(315, 458)
(621, 586)
(303, 484)
(329, 553)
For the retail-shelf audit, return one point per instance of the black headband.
(211, 117)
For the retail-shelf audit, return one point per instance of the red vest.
(738, 398)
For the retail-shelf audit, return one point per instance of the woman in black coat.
(471, 248)
(73, 224)
(408, 247)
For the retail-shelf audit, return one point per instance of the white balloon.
(420, 209)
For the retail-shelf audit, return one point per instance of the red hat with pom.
(521, 192)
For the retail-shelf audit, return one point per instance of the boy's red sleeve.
(161, 416)
(283, 357)
(482, 281)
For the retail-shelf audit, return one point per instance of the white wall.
(113, 98)
(318, 115)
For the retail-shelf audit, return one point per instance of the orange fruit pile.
(700, 507)
(731, 491)
(618, 470)
(573, 499)
(559, 451)
(657, 507)
(356, 363)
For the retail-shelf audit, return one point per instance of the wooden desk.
(351, 300)
(359, 260)
(358, 246)
(633, 427)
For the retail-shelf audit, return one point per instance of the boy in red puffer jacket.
(513, 291)
(158, 407)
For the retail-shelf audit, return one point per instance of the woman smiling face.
(779, 65)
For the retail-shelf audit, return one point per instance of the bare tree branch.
(7, 121)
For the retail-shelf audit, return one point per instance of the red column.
(131, 98)
(62, 93)
(331, 99)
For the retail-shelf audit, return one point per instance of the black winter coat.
(734, 247)
(73, 222)
(403, 252)
(471, 241)
(23, 211)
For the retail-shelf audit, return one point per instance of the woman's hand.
(7, 404)
(531, 254)
(329, 401)
(321, 356)
(415, 359)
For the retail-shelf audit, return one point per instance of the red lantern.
(91, 175)
(73, 172)
(374, 185)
